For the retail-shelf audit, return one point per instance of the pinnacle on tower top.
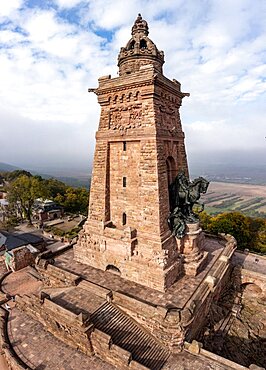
(140, 50)
(140, 26)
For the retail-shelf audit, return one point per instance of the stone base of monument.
(191, 247)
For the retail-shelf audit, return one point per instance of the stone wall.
(153, 318)
(53, 276)
(73, 329)
(22, 257)
(109, 352)
(195, 312)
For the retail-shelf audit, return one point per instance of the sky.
(52, 51)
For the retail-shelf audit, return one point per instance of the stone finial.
(140, 26)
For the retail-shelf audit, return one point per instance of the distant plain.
(245, 198)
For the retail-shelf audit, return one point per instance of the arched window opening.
(124, 219)
(131, 45)
(171, 170)
(143, 44)
(113, 269)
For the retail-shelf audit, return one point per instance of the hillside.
(5, 167)
(76, 182)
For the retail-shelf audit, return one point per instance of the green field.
(224, 197)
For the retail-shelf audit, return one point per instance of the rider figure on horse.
(184, 185)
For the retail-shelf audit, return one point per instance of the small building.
(46, 210)
(20, 249)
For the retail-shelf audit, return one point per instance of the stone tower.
(139, 150)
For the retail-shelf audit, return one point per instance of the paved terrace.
(177, 295)
(28, 336)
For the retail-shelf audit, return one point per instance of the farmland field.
(248, 199)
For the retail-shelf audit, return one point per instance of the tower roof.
(140, 50)
(140, 25)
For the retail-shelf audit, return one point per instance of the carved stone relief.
(125, 117)
(170, 119)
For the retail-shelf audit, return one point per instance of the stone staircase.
(126, 334)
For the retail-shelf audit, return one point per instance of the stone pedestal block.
(191, 247)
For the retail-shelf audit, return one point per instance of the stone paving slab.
(78, 300)
(40, 350)
(21, 282)
(177, 295)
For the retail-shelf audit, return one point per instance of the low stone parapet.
(56, 277)
(105, 349)
(96, 289)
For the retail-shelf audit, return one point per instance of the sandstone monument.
(141, 287)
(139, 152)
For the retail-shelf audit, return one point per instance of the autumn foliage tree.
(249, 232)
(23, 191)
(74, 200)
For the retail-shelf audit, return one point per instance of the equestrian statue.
(184, 194)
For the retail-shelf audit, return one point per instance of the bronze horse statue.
(184, 194)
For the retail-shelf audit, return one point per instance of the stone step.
(127, 334)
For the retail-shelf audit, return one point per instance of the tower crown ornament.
(140, 26)
(140, 50)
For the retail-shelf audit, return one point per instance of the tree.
(233, 223)
(23, 191)
(74, 200)
(10, 176)
(205, 220)
(249, 232)
(55, 187)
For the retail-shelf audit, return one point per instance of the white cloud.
(67, 3)
(8, 7)
(215, 49)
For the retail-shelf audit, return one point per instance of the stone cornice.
(132, 85)
(171, 86)
(110, 85)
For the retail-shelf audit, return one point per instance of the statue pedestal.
(191, 249)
